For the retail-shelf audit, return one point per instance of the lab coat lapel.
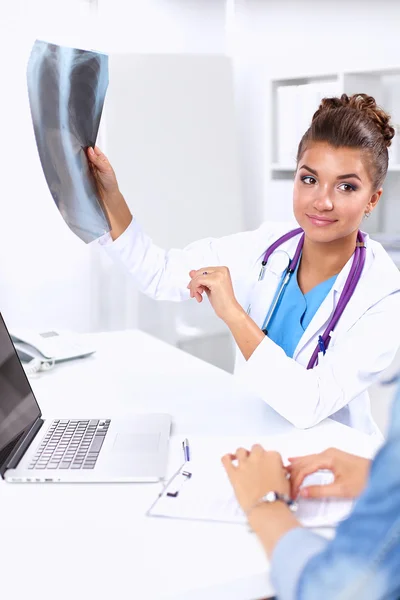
(326, 310)
(263, 294)
(319, 321)
(264, 291)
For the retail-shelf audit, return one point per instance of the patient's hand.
(257, 472)
(350, 473)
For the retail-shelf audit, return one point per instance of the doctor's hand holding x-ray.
(313, 311)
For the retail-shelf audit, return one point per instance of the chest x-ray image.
(67, 88)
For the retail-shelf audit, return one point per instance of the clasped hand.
(216, 282)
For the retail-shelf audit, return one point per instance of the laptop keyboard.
(71, 444)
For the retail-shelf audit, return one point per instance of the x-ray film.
(66, 89)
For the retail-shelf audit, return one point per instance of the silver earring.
(367, 215)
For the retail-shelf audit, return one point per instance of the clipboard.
(191, 494)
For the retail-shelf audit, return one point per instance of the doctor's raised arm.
(314, 311)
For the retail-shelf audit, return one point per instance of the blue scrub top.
(295, 311)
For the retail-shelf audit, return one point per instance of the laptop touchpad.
(136, 442)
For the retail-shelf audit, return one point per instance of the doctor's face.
(332, 192)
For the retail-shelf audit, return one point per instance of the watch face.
(270, 497)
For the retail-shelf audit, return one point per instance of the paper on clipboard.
(203, 492)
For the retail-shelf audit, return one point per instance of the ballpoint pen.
(186, 452)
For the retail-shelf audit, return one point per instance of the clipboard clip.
(186, 475)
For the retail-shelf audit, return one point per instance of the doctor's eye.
(349, 186)
(308, 177)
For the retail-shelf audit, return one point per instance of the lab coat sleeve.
(164, 274)
(350, 365)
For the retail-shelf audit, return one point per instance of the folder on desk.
(203, 492)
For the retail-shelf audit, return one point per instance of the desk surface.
(93, 541)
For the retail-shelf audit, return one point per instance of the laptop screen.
(18, 407)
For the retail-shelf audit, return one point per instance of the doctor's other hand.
(216, 282)
(256, 473)
(113, 201)
(350, 474)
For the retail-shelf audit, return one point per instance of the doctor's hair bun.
(367, 105)
(353, 122)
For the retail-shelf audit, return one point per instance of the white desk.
(93, 542)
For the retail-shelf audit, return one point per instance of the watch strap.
(271, 497)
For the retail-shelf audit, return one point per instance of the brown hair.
(353, 122)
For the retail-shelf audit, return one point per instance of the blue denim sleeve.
(364, 558)
(289, 558)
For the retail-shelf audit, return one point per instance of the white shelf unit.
(293, 103)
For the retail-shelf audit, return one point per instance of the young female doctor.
(314, 312)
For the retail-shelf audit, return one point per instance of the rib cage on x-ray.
(66, 88)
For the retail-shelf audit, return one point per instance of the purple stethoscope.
(347, 292)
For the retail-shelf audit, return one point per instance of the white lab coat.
(363, 344)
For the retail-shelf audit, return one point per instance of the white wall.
(171, 137)
(162, 26)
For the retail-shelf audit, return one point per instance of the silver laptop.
(33, 450)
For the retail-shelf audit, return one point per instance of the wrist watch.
(271, 497)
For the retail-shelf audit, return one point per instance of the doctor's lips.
(321, 221)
